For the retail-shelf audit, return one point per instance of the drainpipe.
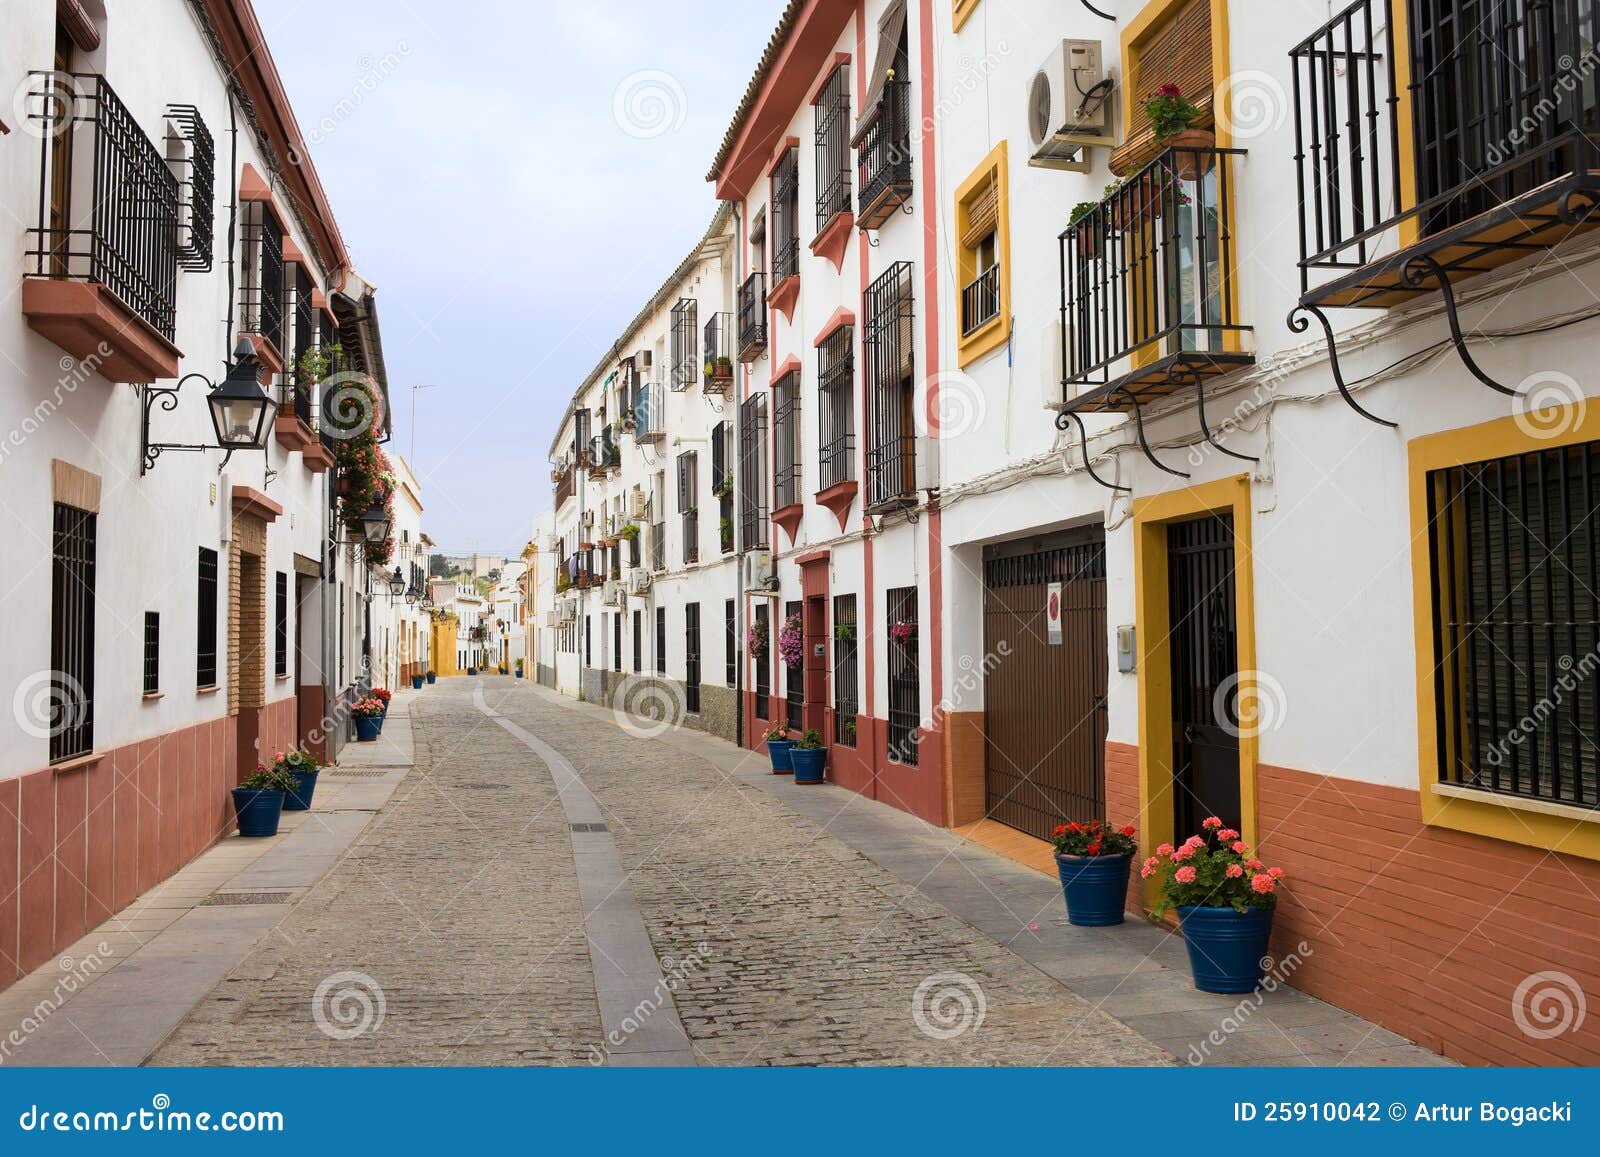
(730, 291)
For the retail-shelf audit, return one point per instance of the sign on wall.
(1052, 613)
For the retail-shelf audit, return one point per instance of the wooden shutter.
(891, 27)
(983, 214)
(1176, 51)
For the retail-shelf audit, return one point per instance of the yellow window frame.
(997, 330)
(1552, 827)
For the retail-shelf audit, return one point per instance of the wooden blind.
(983, 213)
(1176, 51)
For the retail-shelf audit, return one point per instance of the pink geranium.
(1185, 875)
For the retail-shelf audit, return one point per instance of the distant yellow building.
(442, 643)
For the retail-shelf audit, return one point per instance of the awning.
(891, 27)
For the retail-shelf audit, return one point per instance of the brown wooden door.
(1045, 702)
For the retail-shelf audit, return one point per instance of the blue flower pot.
(808, 763)
(258, 811)
(472, 670)
(1226, 947)
(1096, 888)
(299, 799)
(367, 728)
(431, 679)
(780, 750)
(416, 682)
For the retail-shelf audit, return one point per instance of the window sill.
(284, 678)
(77, 763)
(1549, 827)
(1534, 806)
(207, 689)
(988, 337)
(152, 696)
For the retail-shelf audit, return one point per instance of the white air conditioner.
(927, 465)
(588, 518)
(639, 581)
(548, 619)
(641, 504)
(758, 576)
(614, 595)
(643, 360)
(1069, 106)
(567, 611)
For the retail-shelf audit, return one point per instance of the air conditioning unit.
(639, 581)
(641, 504)
(758, 576)
(567, 611)
(642, 360)
(548, 619)
(1069, 106)
(927, 465)
(614, 596)
(588, 518)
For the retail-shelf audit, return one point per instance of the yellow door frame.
(1151, 517)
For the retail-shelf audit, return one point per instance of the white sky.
(511, 219)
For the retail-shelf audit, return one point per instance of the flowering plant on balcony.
(1213, 870)
(904, 632)
(791, 642)
(757, 638)
(1095, 838)
(1171, 112)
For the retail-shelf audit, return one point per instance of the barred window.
(1517, 623)
(205, 674)
(753, 472)
(152, 652)
(72, 632)
(905, 687)
(280, 627)
(785, 217)
(661, 640)
(730, 641)
(691, 658)
(685, 355)
(763, 661)
(832, 115)
(836, 397)
(890, 375)
(846, 697)
(786, 440)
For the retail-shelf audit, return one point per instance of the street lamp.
(375, 524)
(240, 409)
(397, 585)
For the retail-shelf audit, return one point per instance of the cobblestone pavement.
(784, 945)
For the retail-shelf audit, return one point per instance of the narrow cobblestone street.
(705, 912)
(785, 945)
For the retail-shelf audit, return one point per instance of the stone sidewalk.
(114, 996)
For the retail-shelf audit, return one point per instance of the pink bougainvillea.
(791, 642)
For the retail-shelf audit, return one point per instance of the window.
(763, 661)
(836, 364)
(753, 472)
(262, 285)
(691, 658)
(846, 697)
(205, 674)
(831, 112)
(638, 641)
(888, 346)
(280, 627)
(883, 140)
(616, 641)
(688, 506)
(794, 676)
(905, 688)
(72, 620)
(982, 256)
(786, 440)
(1173, 46)
(588, 653)
(661, 640)
(685, 332)
(152, 652)
(730, 642)
(1516, 623)
(722, 483)
(785, 218)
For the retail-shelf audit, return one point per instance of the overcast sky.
(516, 178)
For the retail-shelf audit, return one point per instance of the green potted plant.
(849, 729)
(844, 632)
(725, 532)
(258, 800)
(432, 675)
(1175, 119)
(301, 766)
(629, 531)
(1092, 860)
(1091, 240)
(779, 747)
(808, 757)
(1225, 898)
(724, 486)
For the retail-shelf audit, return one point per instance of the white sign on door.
(1052, 613)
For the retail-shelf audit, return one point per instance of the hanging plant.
(757, 638)
(791, 642)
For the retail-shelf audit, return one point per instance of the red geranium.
(1095, 838)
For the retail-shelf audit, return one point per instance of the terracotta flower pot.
(1191, 166)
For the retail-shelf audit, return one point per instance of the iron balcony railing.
(752, 316)
(1147, 273)
(980, 300)
(883, 157)
(649, 413)
(108, 201)
(719, 353)
(566, 485)
(1501, 102)
(295, 401)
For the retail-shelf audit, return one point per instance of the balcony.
(1426, 163)
(1147, 294)
(263, 283)
(649, 415)
(883, 157)
(566, 484)
(753, 317)
(102, 262)
(719, 352)
(604, 454)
